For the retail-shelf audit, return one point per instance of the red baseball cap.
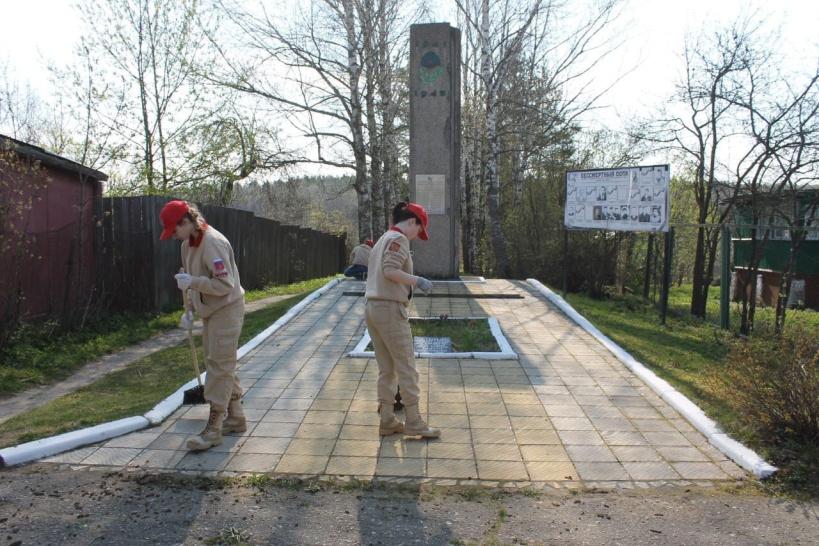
(369, 242)
(421, 214)
(171, 214)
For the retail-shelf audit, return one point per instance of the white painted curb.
(506, 352)
(744, 457)
(47, 447)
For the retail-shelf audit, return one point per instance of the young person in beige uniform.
(359, 260)
(212, 279)
(390, 281)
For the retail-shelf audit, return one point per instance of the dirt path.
(32, 398)
(54, 506)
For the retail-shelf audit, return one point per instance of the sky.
(36, 32)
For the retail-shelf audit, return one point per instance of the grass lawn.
(467, 335)
(124, 393)
(689, 353)
(41, 353)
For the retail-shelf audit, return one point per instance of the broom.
(194, 395)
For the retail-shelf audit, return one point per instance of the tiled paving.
(565, 413)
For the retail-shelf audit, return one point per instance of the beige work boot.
(212, 435)
(416, 426)
(235, 421)
(389, 424)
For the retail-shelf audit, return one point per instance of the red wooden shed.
(49, 205)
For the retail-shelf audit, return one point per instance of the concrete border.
(46, 447)
(506, 352)
(740, 454)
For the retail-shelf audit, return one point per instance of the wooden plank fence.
(135, 268)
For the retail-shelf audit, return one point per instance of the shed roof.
(49, 159)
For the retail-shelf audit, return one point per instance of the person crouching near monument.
(389, 289)
(211, 275)
(359, 260)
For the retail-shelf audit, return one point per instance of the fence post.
(669, 250)
(647, 276)
(725, 282)
(565, 260)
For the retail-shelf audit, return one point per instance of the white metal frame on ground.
(742, 455)
(46, 447)
(506, 352)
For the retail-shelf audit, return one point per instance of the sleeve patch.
(395, 246)
(219, 269)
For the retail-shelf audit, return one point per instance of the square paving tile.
(292, 403)
(699, 471)
(204, 461)
(493, 436)
(302, 464)
(284, 416)
(551, 453)
(359, 432)
(441, 421)
(135, 439)
(310, 446)
(497, 452)
(525, 410)
(589, 454)
(253, 462)
(398, 446)
(622, 438)
(157, 458)
(307, 430)
(369, 418)
(401, 467)
(356, 448)
(490, 421)
(551, 471)
(602, 471)
(666, 439)
(73, 457)
(554, 411)
(682, 454)
(580, 437)
(270, 446)
(653, 425)
(650, 471)
(459, 469)
(635, 453)
(112, 456)
(352, 466)
(330, 405)
(525, 437)
(531, 423)
(502, 470)
(571, 423)
(275, 430)
(455, 436)
(440, 450)
(319, 417)
(169, 440)
(187, 426)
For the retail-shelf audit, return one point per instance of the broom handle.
(186, 301)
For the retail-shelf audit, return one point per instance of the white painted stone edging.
(506, 352)
(743, 456)
(46, 447)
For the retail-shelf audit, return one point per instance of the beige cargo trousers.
(220, 339)
(389, 328)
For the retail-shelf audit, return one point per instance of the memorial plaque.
(430, 192)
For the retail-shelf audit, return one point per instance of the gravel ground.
(46, 505)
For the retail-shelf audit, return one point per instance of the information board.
(621, 199)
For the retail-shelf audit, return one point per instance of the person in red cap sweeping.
(359, 260)
(389, 288)
(210, 273)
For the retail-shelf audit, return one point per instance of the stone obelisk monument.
(435, 144)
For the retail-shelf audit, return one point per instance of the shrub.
(773, 383)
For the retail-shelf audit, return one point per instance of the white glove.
(183, 280)
(425, 285)
(186, 323)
